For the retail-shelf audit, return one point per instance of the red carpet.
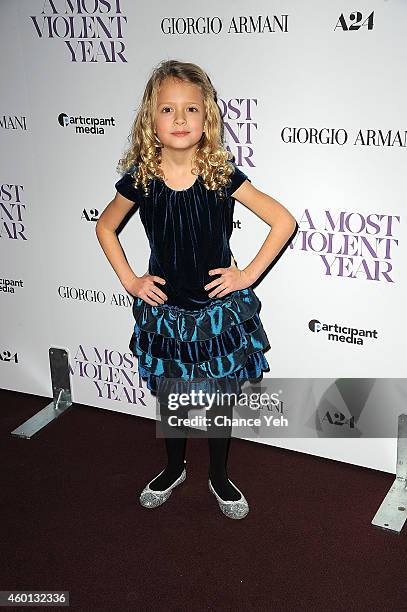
(71, 521)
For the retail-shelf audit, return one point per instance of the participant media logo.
(342, 333)
(86, 125)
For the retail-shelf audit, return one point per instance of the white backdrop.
(314, 100)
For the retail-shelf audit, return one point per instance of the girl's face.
(180, 108)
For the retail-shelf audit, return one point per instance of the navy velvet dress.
(192, 336)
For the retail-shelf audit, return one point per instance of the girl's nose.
(179, 117)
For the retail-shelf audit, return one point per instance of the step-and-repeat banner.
(313, 98)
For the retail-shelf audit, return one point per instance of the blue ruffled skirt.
(223, 342)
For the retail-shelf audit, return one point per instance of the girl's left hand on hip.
(231, 279)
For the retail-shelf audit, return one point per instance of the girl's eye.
(168, 107)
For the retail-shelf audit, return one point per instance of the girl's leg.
(176, 453)
(219, 439)
(175, 444)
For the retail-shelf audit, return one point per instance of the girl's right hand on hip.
(144, 288)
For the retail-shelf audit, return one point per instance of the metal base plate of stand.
(392, 513)
(62, 398)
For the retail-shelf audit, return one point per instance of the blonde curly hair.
(211, 159)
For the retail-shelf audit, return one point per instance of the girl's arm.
(274, 214)
(106, 227)
(140, 286)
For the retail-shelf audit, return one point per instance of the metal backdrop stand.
(392, 513)
(61, 386)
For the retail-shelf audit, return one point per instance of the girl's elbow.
(100, 226)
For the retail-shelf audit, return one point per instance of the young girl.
(196, 315)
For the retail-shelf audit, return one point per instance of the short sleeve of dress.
(238, 177)
(125, 186)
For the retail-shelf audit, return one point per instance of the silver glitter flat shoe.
(233, 509)
(152, 499)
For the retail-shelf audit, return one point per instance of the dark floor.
(71, 520)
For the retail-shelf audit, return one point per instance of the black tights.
(218, 448)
